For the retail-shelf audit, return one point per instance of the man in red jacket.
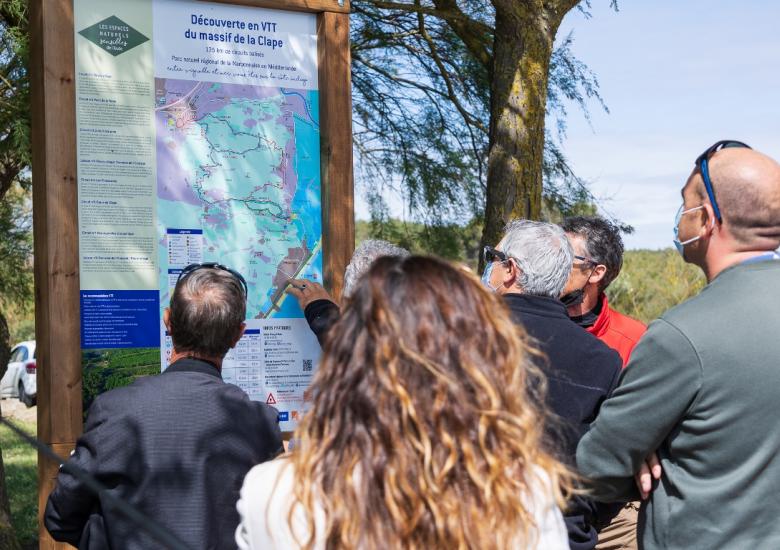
(598, 257)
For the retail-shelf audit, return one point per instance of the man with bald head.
(693, 419)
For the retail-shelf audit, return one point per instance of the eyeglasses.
(490, 255)
(213, 265)
(702, 163)
(586, 260)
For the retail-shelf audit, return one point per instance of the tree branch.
(453, 97)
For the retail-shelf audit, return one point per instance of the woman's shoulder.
(273, 472)
(541, 504)
(266, 497)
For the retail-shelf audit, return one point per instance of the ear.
(710, 222)
(510, 272)
(240, 334)
(167, 319)
(598, 274)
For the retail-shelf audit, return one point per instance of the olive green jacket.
(703, 390)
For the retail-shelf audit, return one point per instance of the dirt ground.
(15, 409)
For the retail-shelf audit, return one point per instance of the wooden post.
(55, 204)
(56, 237)
(338, 227)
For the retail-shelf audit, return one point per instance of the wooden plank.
(317, 6)
(47, 475)
(56, 233)
(338, 227)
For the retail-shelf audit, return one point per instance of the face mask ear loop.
(689, 241)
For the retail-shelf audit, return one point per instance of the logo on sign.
(113, 35)
(271, 399)
(283, 416)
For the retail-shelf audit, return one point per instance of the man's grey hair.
(543, 255)
(207, 309)
(365, 254)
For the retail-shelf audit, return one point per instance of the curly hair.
(426, 425)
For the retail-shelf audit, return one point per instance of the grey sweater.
(703, 389)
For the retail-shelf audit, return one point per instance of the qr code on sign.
(307, 365)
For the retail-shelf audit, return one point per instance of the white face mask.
(677, 244)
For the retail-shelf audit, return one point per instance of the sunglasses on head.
(702, 163)
(213, 265)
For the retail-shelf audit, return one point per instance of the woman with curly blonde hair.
(425, 429)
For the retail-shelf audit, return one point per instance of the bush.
(653, 281)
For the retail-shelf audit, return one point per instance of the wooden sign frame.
(57, 314)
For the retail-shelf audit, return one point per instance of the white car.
(19, 379)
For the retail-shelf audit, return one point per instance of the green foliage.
(21, 477)
(113, 368)
(653, 281)
(421, 78)
(15, 249)
(15, 150)
(455, 242)
(15, 158)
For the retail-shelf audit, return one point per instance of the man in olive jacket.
(702, 385)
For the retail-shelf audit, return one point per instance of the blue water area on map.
(289, 306)
(307, 165)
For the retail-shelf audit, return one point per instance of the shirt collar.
(190, 364)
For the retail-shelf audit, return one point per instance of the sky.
(676, 76)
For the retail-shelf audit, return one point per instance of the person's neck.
(176, 355)
(717, 264)
(589, 302)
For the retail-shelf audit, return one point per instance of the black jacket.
(321, 316)
(176, 446)
(581, 373)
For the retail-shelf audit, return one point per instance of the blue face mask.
(680, 246)
(486, 276)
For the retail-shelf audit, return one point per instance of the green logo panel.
(113, 35)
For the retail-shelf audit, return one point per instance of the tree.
(15, 229)
(450, 98)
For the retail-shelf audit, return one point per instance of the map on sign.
(244, 162)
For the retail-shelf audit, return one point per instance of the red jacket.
(618, 331)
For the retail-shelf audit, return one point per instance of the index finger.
(298, 284)
(654, 465)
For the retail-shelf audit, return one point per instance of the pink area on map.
(286, 169)
(198, 99)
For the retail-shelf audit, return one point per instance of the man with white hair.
(530, 267)
(319, 308)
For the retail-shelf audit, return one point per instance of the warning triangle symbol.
(271, 400)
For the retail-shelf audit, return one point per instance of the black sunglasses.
(702, 163)
(213, 265)
(586, 260)
(491, 255)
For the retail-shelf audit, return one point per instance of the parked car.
(19, 379)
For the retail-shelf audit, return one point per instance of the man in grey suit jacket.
(701, 388)
(175, 446)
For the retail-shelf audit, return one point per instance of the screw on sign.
(271, 399)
